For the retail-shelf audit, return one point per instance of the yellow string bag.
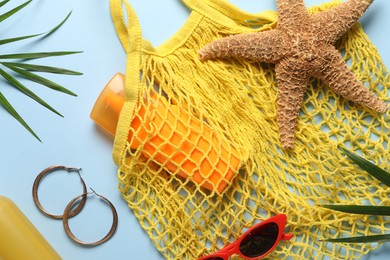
(182, 116)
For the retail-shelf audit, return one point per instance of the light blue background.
(75, 140)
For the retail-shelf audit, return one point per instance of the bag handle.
(231, 13)
(130, 36)
(236, 13)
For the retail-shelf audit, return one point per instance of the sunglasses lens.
(214, 258)
(260, 240)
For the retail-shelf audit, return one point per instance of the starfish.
(301, 47)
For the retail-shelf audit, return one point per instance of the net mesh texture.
(202, 161)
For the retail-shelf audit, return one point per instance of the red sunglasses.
(256, 242)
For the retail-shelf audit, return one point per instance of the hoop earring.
(38, 179)
(110, 233)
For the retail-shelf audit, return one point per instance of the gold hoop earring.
(106, 237)
(38, 179)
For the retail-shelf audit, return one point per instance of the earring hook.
(37, 181)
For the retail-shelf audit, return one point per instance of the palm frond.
(4, 102)
(369, 167)
(13, 11)
(36, 55)
(3, 2)
(361, 209)
(382, 176)
(41, 68)
(15, 83)
(59, 25)
(361, 239)
(18, 66)
(51, 31)
(15, 39)
(40, 80)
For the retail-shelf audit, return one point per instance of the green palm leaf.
(15, 39)
(361, 209)
(13, 11)
(361, 239)
(24, 69)
(40, 80)
(41, 68)
(9, 40)
(369, 167)
(59, 25)
(26, 91)
(4, 102)
(3, 2)
(382, 176)
(36, 55)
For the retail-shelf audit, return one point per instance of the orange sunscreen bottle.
(186, 146)
(19, 239)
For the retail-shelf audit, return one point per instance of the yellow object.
(180, 141)
(238, 99)
(19, 239)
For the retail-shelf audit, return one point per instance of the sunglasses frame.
(234, 248)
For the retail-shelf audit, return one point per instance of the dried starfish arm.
(341, 80)
(301, 46)
(333, 23)
(291, 13)
(292, 83)
(266, 46)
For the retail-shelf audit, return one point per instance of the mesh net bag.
(198, 149)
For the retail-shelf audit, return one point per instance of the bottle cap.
(109, 104)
